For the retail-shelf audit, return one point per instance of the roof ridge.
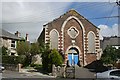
(71, 11)
(7, 34)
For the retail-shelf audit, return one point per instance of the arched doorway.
(73, 56)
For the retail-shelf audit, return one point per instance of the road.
(80, 73)
(13, 74)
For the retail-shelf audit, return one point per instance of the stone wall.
(11, 67)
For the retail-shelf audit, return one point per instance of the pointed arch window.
(54, 39)
(91, 42)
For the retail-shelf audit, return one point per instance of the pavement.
(32, 74)
(84, 73)
(25, 73)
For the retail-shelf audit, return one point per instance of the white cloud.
(108, 31)
(31, 11)
(34, 14)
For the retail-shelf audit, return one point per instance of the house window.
(12, 53)
(54, 39)
(13, 43)
(91, 42)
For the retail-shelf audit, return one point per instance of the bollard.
(19, 67)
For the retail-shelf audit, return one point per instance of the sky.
(29, 17)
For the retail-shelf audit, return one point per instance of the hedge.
(13, 59)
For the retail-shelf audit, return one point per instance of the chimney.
(17, 34)
(26, 37)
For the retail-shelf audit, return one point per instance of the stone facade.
(75, 36)
(10, 44)
(9, 41)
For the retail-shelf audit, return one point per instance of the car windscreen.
(115, 73)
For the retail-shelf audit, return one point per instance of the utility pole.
(118, 4)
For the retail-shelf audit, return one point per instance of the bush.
(37, 66)
(55, 58)
(3, 50)
(49, 58)
(13, 59)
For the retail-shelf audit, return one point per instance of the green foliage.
(36, 66)
(55, 57)
(45, 59)
(35, 49)
(13, 59)
(23, 48)
(110, 55)
(4, 50)
(50, 57)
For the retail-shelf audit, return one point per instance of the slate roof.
(6, 34)
(113, 41)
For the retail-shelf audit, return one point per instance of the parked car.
(109, 75)
(1, 68)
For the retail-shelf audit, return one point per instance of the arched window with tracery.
(54, 39)
(91, 42)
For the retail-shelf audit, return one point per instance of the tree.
(110, 55)
(45, 50)
(50, 57)
(55, 57)
(4, 50)
(35, 49)
(23, 48)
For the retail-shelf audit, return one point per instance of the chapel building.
(75, 36)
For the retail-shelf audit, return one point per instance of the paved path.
(80, 73)
(83, 73)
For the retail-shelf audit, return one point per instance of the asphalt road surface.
(7, 75)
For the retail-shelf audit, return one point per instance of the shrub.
(13, 59)
(4, 50)
(51, 57)
(37, 66)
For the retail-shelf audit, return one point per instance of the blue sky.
(96, 10)
(28, 17)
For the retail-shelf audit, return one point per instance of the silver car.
(109, 75)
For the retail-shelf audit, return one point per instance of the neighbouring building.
(75, 36)
(113, 41)
(9, 41)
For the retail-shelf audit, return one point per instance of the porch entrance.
(73, 56)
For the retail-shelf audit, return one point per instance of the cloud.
(29, 17)
(31, 11)
(108, 31)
